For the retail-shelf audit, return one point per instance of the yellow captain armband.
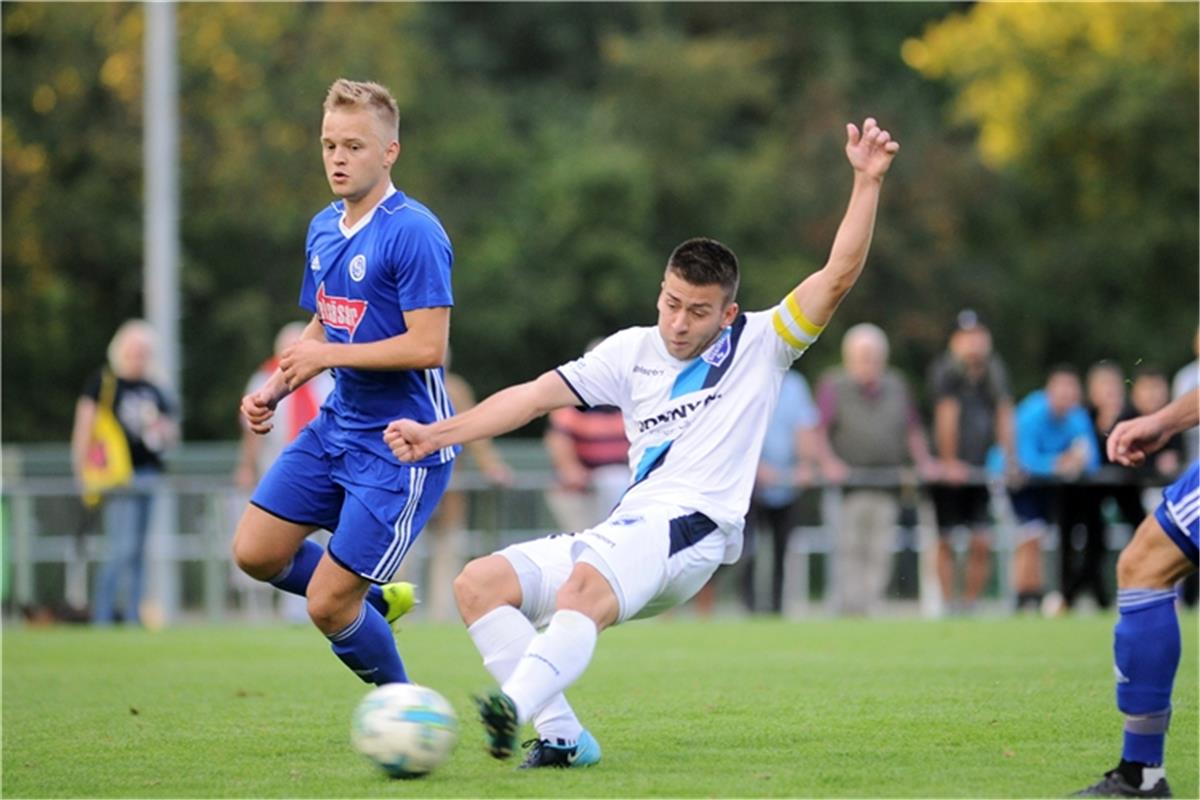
(792, 326)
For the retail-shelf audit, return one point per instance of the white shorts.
(654, 560)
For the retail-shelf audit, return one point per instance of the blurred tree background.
(1048, 177)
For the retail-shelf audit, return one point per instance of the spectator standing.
(789, 451)
(868, 421)
(1083, 524)
(1054, 443)
(129, 385)
(972, 412)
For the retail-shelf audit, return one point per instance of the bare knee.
(485, 584)
(980, 546)
(1151, 560)
(252, 559)
(331, 613)
(263, 544)
(588, 592)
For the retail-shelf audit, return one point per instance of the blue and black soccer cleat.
(547, 753)
(498, 714)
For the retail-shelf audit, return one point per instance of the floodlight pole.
(160, 160)
(160, 277)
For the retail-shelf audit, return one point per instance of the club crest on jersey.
(340, 312)
(358, 267)
(717, 354)
(315, 264)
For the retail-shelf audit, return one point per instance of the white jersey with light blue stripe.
(695, 427)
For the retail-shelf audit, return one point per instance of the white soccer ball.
(406, 729)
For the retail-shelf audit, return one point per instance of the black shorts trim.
(277, 515)
(351, 569)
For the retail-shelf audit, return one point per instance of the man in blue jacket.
(1054, 442)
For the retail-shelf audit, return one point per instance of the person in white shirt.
(696, 392)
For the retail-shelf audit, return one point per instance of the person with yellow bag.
(123, 423)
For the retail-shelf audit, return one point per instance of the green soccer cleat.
(547, 753)
(400, 598)
(498, 714)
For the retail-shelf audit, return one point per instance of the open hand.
(870, 151)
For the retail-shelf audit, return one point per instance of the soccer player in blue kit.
(377, 280)
(1146, 640)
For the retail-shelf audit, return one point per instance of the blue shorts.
(1179, 512)
(374, 507)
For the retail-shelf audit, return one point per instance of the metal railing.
(53, 549)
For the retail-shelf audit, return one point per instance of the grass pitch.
(894, 708)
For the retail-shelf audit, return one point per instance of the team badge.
(315, 264)
(717, 354)
(358, 267)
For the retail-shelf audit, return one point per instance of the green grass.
(986, 708)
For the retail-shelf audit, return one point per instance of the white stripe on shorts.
(402, 529)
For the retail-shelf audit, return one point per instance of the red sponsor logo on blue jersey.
(340, 312)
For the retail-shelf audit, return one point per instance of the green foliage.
(902, 708)
(1089, 114)
(569, 147)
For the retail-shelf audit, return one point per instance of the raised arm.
(870, 153)
(506, 410)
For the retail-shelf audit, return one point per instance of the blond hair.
(346, 94)
(116, 348)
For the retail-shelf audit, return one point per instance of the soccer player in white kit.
(696, 392)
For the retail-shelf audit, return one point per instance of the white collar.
(362, 223)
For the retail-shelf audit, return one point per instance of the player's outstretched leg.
(583, 752)
(557, 657)
(488, 592)
(1146, 649)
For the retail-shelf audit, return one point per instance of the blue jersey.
(360, 281)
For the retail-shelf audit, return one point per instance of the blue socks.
(366, 645)
(295, 576)
(368, 648)
(1146, 649)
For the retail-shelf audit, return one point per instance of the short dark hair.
(704, 262)
(1063, 368)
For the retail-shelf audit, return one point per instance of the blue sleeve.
(308, 286)
(1029, 429)
(422, 257)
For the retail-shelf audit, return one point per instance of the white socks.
(501, 636)
(552, 662)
